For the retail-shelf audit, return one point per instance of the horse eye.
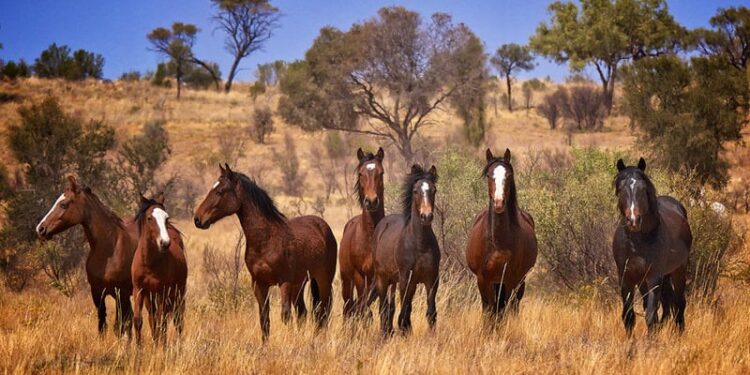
(64, 206)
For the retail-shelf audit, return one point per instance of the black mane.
(140, 214)
(417, 173)
(368, 158)
(260, 198)
(634, 172)
(512, 203)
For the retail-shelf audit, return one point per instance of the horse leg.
(347, 293)
(431, 288)
(516, 297)
(667, 299)
(678, 283)
(502, 295)
(138, 316)
(299, 304)
(487, 292)
(628, 314)
(652, 305)
(386, 328)
(127, 315)
(178, 317)
(261, 295)
(286, 302)
(153, 320)
(406, 287)
(325, 294)
(101, 308)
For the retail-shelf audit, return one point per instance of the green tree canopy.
(510, 59)
(730, 36)
(606, 33)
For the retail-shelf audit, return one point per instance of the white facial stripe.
(161, 217)
(499, 176)
(215, 185)
(370, 166)
(425, 192)
(631, 192)
(62, 196)
(632, 211)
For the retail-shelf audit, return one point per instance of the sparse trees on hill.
(383, 77)
(553, 106)
(248, 25)
(57, 62)
(528, 88)
(15, 70)
(730, 36)
(510, 59)
(605, 34)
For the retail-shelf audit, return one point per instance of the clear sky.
(117, 29)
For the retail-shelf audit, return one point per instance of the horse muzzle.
(372, 204)
(426, 218)
(43, 233)
(499, 206)
(200, 224)
(634, 225)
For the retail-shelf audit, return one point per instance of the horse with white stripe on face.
(159, 271)
(112, 242)
(502, 245)
(651, 248)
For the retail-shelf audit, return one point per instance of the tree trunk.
(510, 98)
(210, 71)
(179, 83)
(232, 73)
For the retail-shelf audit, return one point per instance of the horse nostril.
(197, 222)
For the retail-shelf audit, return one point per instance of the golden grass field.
(41, 331)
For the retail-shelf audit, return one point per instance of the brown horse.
(407, 252)
(651, 247)
(355, 254)
(502, 245)
(112, 244)
(279, 251)
(159, 271)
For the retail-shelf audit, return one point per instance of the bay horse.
(278, 251)
(112, 243)
(407, 252)
(159, 271)
(502, 246)
(651, 247)
(355, 253)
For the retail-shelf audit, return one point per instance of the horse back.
(674, 216)
(316, 237)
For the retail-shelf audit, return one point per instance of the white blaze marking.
(632, 200)
(215, 185)
(161, 217)
(425, 191)
(62, 196)
(370, 166)
(499, 176)
(632, 211)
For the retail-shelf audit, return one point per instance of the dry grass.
(42, 331)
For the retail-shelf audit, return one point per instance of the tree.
(509, 59)
(469, 99)
(57, 62)
(688, 111)
(177, 45)
(383, 77)
(15, 70)
(528, 89)
(248, 25)
(88, 64)
(553, 106)
(730, 36)
(262, 124)
(606, 33)
(141, 156)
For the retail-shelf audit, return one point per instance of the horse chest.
(497, 260)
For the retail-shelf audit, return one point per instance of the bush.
(131, 76)
(57, 62)
(226, 286)
(262, 125)
(257, 89)
(585, 107)
(13, 70)
(528, 89)
(553, 106)
(293, 178)
(160, 76)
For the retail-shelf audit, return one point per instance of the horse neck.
(149, 251)
(101, 229)
(500, 226)
(417, 231)
(258, 229)
(371, 219)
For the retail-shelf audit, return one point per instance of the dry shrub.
(585, 107)
(293, 178)
(223, 273)
(262, 124)
(553, 106)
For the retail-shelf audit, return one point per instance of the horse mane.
(93, 198)
(140, 214)
(260, 198)
(634, 172)
(512, 203)
(368, 158)
(417, 173)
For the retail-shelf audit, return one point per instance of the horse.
(112, 242)
(502, 246)
(279, 251)
(355, 253)
(651, 247)
(159, 271)
(407, 252)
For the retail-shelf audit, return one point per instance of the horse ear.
(415, 168)
(381, 154)
(72, 184)
(360, 154)
(507, 155)
(160, 198)
(223, 172)
(226, 167)
(488, 155)
(620, 165)
(642, 164)
(433, 171)
(144, 200)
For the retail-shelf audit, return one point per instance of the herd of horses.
(144, 257)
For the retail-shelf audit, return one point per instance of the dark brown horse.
(112, 244)
(502, 245)
(355, 254)
(407, 252)
(279, 251)
(159, 271)
(651, 248)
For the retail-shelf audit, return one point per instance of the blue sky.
(117, 29)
